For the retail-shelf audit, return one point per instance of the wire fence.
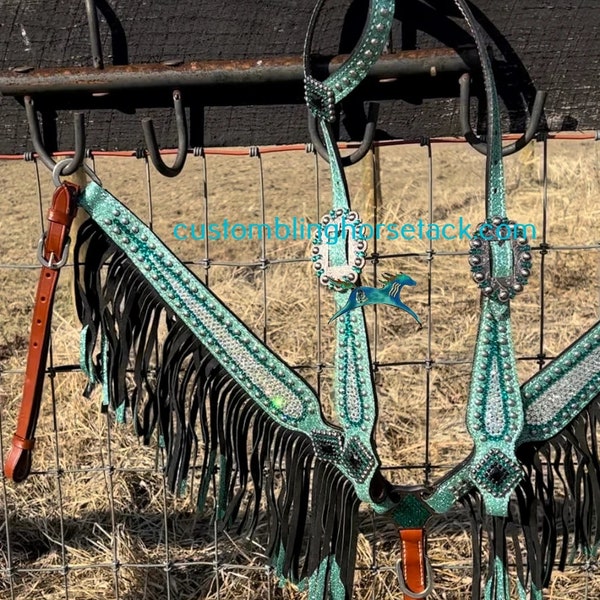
(96, 520)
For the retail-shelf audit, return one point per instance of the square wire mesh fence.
(95, 519)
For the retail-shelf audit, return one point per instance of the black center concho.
(497, 473)
(499, 230)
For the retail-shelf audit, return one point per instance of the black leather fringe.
(564, 482)
(555, 511)
(160, 372)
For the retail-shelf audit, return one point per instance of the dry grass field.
(96, 497)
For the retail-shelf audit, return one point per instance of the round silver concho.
(480, 259)
(341, 226)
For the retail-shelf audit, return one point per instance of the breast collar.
(234, 387)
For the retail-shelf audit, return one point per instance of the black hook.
(475, 141)
(182, 137)
(36, 139)
(365, 145)
(92, 17)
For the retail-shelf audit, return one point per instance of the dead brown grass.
(149, 524)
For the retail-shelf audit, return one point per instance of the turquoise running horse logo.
(388, 294)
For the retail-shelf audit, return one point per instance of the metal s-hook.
(182, 137)
(365, 145)
(58, 171)
(475, 141)
(36, 139)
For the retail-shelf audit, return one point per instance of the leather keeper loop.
(22, 443)
(59, 216)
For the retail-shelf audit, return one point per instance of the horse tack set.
(275, 457)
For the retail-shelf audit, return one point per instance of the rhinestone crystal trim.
(320, 99)
(358, 460)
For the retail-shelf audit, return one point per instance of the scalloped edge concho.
(480, 259)
(348, 222)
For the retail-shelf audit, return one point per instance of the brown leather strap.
(414, 564)
(52, 251)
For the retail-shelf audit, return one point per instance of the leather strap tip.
(18, 464)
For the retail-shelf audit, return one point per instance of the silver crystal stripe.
(555, 395)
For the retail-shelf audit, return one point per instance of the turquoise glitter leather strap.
(500, 415)
(354, 388)
(495, 409)
(552, 398)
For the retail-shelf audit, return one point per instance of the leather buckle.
(51, 263)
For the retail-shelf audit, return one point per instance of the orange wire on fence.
(561, 135)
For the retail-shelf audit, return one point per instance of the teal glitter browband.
(173, 359)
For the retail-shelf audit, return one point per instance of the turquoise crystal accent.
(497, 474)
(411, 513)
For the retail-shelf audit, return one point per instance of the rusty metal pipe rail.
(251, 74)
